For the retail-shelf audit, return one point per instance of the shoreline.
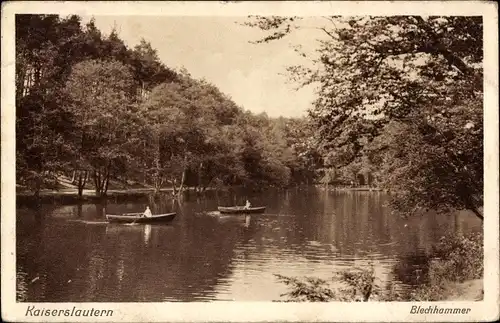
(469, 290)
(70, 195)
(355, 189)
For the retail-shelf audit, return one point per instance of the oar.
(133, 222)
(138, 217)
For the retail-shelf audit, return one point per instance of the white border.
(487, 310)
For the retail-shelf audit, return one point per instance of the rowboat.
(139, 218)
(241, 209)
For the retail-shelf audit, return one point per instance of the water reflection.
(204, 256)
(147, 234)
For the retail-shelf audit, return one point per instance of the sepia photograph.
(215, 160)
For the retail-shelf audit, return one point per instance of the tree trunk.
(183, 178)
(477, 213)
(468, 199)
(37, 190)
(144, 164)
(20, 80)
(204, 186)
(156, 184)
(174, 191)
(37, 74)
(82, 180)
(106, 183)
(157, 175)
(181, 187)
(98, 182)
(73, 177)
(85, 178)
(200, 169)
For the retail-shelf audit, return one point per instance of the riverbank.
(356, 189)
(349, 188)
(68, 195)
(466, 291)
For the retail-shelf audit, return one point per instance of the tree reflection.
(412, 269)
(100, 210)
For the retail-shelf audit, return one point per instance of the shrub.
(458, 258)
(455, 260)
(355, 285)
(307, 289)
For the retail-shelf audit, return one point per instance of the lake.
(68, 253)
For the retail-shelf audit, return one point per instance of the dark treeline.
(91, 108)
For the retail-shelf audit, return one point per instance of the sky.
(218, 49)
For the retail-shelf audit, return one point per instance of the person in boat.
(247, 205)
(147, 213)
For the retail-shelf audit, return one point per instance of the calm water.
(69, 253)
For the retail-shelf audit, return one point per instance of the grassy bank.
(67, 196)
(67, 193)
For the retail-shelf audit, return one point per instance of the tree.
(263, 152)
(423, 73)
(304, 158)
(148, 69)
(437, 164)
(100, 94)
(191, 120)
(43, 59)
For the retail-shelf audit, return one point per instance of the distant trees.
(88, 105)
(202, 132)
(415, 80)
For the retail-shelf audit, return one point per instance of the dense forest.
(91, 108)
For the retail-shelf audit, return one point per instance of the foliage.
(88, 103)
(218, 141)
(422, 73)
(456, 259)
(41, 63)
(360, 284)
(99, 95)
(357, 285)
(439, 168)
(310, 289)
(183, 117)
(304, 160)
(460, 258)
(47, 48)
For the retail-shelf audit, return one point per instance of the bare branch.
(328, 33)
